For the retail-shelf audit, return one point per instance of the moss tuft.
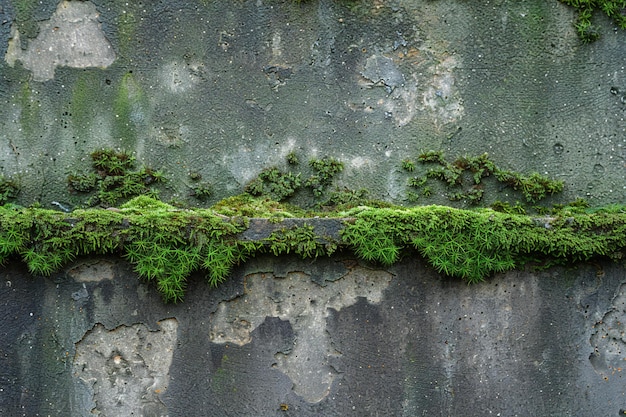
(114, 179)
(587, 32)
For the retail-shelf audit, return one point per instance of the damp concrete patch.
(71, 38)
(126, 369)
(305, 304)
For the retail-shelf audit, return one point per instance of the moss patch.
(472, 170)
(615, 9)
(166, 244)
(114, 179)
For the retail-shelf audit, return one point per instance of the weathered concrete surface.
(72, 38)
(332, 337)
(228, 88)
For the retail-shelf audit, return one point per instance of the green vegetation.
(9, 189)
(201, 190)
(456, 174)
(472, 244)
(325, 171)
(281, 185)
(114, 179)
(615, 9)
(166, 244)
(274, 183)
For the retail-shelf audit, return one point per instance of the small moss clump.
(614, 9)
(9, 189)
(325, 170)
(274, 183)
(281, 185)
(473, 169)
(114, 179)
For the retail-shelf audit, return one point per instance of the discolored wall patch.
(126, 369)
(305, 304)
(609, 339)
(72, 38)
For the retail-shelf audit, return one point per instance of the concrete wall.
(226, 88)
(330, 338)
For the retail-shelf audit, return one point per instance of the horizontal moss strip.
(166, 244)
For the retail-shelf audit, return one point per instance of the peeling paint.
(72, 38)
(126, 369)
(305, 304)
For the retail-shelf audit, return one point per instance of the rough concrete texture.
(228, 88)
(72, 38)
(127, 368)
(333, 337)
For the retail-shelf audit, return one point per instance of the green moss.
(246, 205)
(281, 185)
(114, 179)
(473, 244)
(274, 183)
(9, 189)
(614, 9)
(473, 169)
(166, 244)
(325, 171)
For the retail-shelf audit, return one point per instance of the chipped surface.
(127, 368)
(92, 271)
(305, 304)
(71, 38)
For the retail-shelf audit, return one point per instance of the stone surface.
(126, 368)
(227, 88)
(333, 337)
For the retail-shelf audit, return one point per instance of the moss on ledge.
(166, 244)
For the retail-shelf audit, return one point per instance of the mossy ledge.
(166, 244)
